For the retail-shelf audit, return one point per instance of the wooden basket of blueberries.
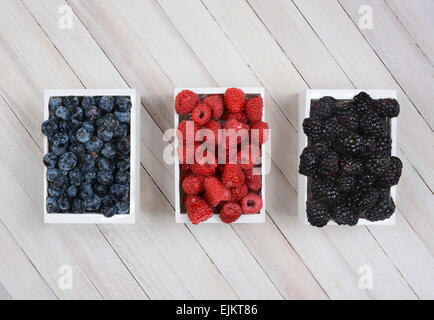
(91, 156)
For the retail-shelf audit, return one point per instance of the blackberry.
(368, 200)
(49, 128)
(367, 179)
(388, 108)
(52, 206)
(318, 214)
(67, 161)
(123, 104)
(377, 164)
(329, 163)
(383, 145)
(348, 116)
(308, 161)
(346, 183)
(382, 210)
(371, 124)
(325, 190)
(313, 129)
(351, 166)
(106, 104)
(363, 103)
(392, 174)
(332, 129)
(324, 109)
(351, 144)
(343, 215)
(368, 147)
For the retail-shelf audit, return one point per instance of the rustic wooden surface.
(285, 46)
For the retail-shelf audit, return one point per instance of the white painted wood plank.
(413, 196)
(396, 48)
(18, 278)
(365, 70)
(418, 19)
(168, 285)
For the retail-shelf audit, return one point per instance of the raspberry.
(259, 131)
(230, 212)
(239, 116)
(251, 203)
(186, 101)
(187, 128)
(234, 128)
(215, 191)
(184, 176)
(234, 99)
(318, 214)
(216, 103)
(197, 209)
(186, 154)
(324, 109)
(184, 167)
(201, 114)
(193, 184)
(203, 169)
(214, 126)
(232, 175)
(253, 179)
(254, 109)
(239, 192)
(248, 157)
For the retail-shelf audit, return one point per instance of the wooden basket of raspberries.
(219, 169)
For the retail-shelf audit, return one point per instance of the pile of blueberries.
(88, 163)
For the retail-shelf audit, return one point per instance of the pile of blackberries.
(88, 163)
(349, 160)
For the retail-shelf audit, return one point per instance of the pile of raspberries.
(227, 187)
(348, 160)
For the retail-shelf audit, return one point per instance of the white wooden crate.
(134, 158)
(304, 103)
(182, 217)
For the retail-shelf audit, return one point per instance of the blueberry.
(108, 121)
(77, 205)
(90, 175)
(87, 102)
(76, 148)
(52, 206)
(123, 164)
(123, 207)
(60, 184)
(78, 114)
(121, 131)
(63, 203)
(64, 126)
(71, 102)
(105, 134)
(119, 191)
(94, 144)
(108, 150)
(85, 190)
(108, 212)
(60, 139)
(63, 112)
(122, 116)
(82, 135)
(52, 174)
(108, 201)
(67, 161)
(49, 128)
(72, 191)
(93, 112)
(54, 193)
(105, 164)
(105, 177)
(75, 177)
(88, 125)
(100, 189)
(106, 104)
(92, 203)
(122, 177)
(58, 151)
(54, 104)
(123, 104)
(123, 145)
(85, 162)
